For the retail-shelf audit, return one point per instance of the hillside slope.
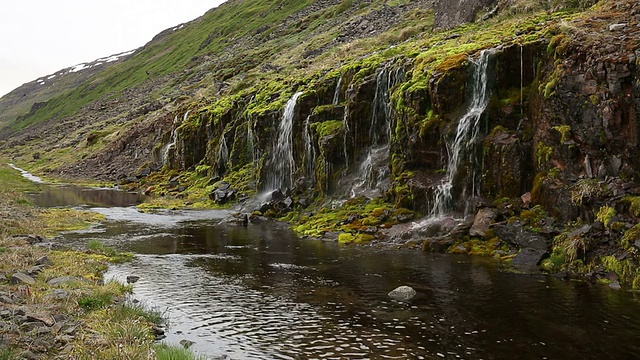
(527, 117)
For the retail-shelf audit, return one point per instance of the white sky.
(39, 37)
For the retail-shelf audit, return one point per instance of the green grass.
(98, 300)
(166, 352)
(7, 354)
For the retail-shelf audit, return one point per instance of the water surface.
(259, 292)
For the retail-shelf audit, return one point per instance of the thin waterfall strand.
(466, 133)
(282, 163)
(336, 94)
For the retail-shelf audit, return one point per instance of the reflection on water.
(70, 195)
(259, 292)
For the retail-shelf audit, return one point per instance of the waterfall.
(223, 156)
(282, 163)
(251, 148)
(173, 140)
(336, 94)
(461, 148)
(309, 152)
(345, 136)
(375, 167)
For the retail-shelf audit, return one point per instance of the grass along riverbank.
(54, 303)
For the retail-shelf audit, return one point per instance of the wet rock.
(131, 279)
(483, 220)
(402, 293)
(222, 195)
(527, 259)
(615, 285)
(20, 278)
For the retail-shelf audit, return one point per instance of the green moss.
(627, 270)
(555, 262)
(564, 131)
(630, 236)
(327, 128)
(604, 215)
(543, 153)
(634, 204)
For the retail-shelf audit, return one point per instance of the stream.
(260, 292)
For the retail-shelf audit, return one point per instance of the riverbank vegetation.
(54, 302)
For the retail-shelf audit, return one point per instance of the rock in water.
(402, 293)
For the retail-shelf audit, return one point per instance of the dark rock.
(527, 259)
(34, 239)
(402, 293)
(48, 320)
(35, 270)
(131, 279)
(44, 260)
(597, 226)
(20, 278)
(223, 185)
(515, 234)
(144, 172)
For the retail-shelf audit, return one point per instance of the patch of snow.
(79, 67)
(51, 77)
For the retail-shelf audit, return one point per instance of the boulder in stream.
(402, 293)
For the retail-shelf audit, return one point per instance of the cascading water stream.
(461, 148)
(173, 140)
(336, 94)
(374, 168)
(282, 163)
(309, 152)
(223, 156)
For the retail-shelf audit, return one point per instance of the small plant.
(587, 189)
(166, 352)
(95, 301)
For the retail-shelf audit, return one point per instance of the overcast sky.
(39, 37)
